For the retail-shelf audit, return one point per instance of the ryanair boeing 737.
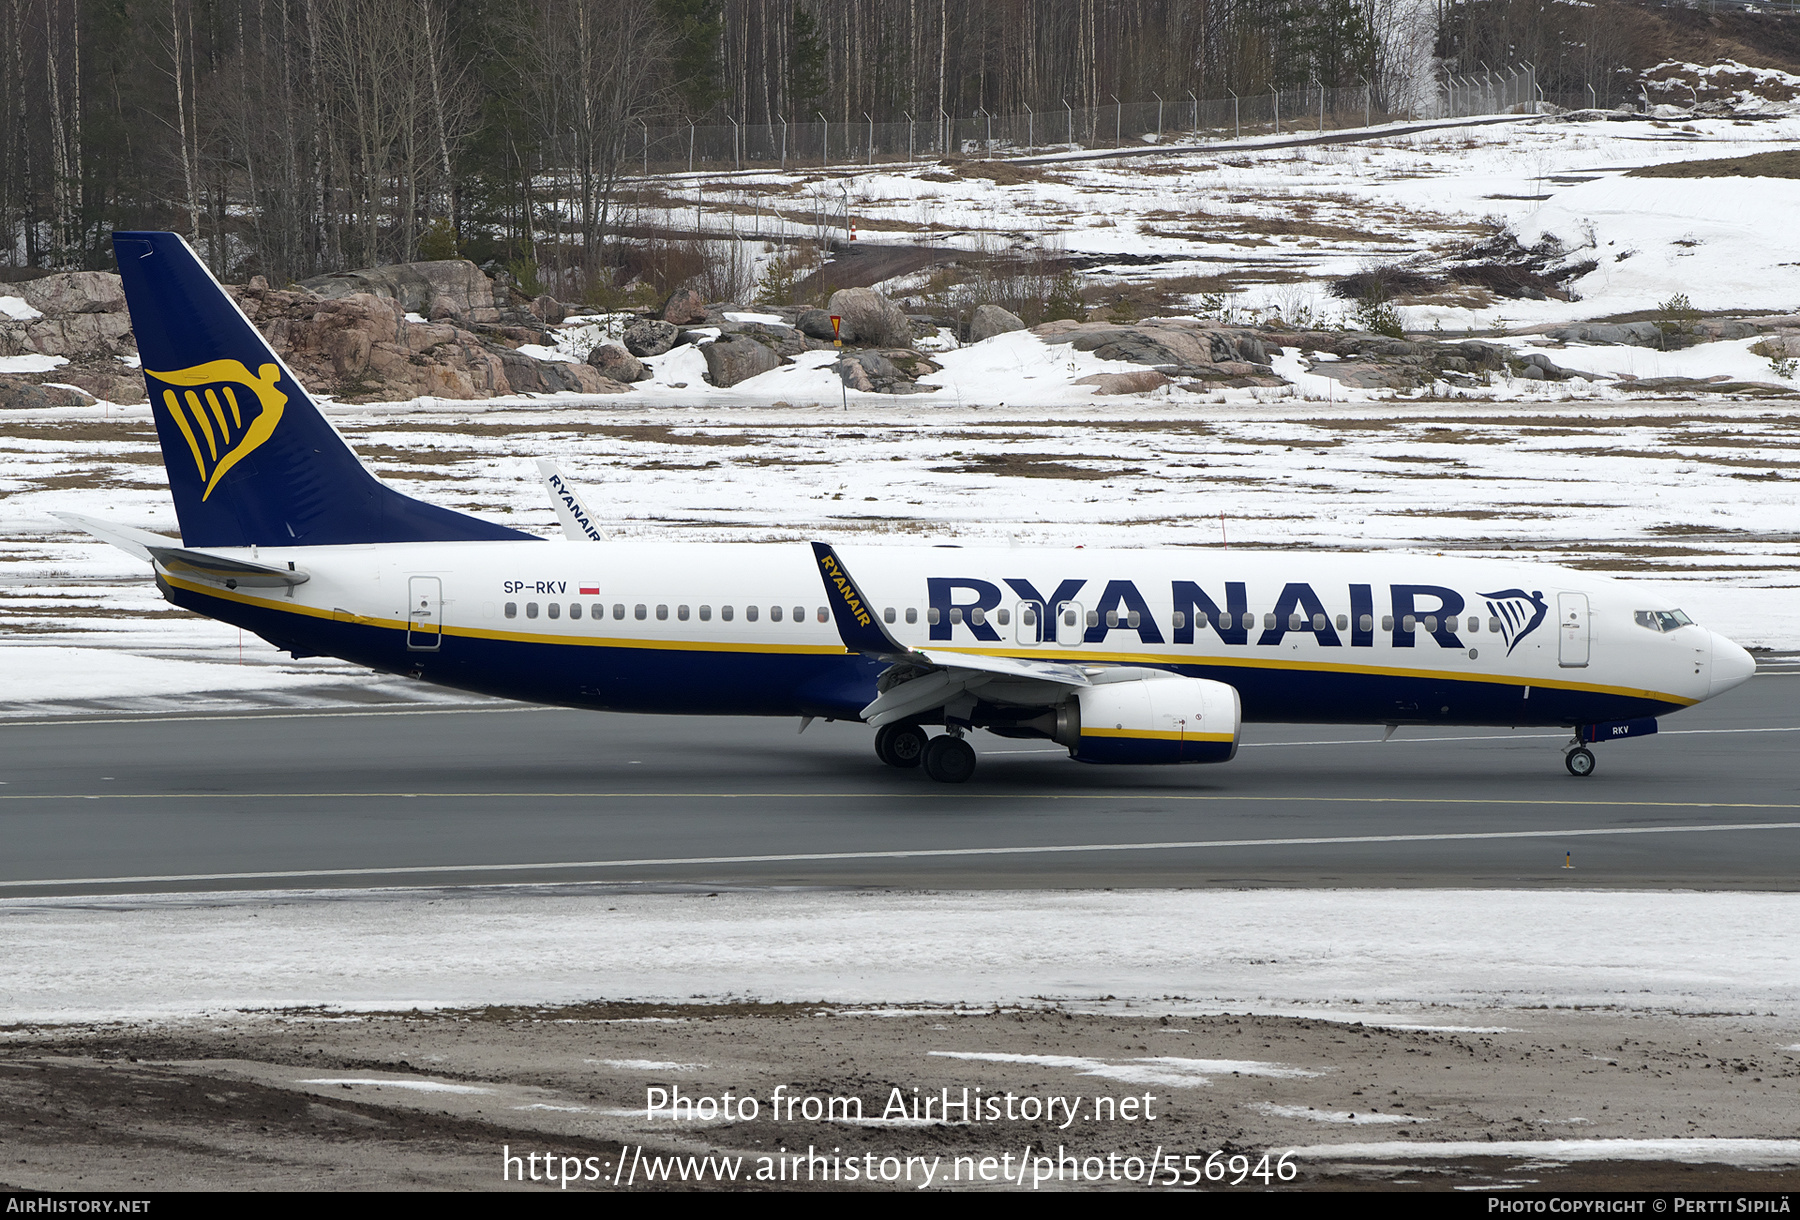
(1122, 656)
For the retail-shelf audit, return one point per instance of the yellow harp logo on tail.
(223, 412)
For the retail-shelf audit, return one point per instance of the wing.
(922, 680)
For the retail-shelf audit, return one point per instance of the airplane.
(1121, 656)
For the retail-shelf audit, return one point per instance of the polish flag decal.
(590, 590)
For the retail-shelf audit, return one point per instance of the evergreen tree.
(806, 64)
(694, 28)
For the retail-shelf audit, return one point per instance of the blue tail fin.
(251, 460)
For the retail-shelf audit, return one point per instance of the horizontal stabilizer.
(231, 573)
(133, 542)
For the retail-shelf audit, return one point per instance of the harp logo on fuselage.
(222, 410)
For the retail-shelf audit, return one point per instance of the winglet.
(577, 522)
(857, 623)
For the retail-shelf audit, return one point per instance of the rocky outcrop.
(870, 319)
(649, 337)
(734, 358)
(1203, 353)
(685, 307)
(452, 289)
(890, 371)
(1124, 383)
(615, 362)
(991, 320)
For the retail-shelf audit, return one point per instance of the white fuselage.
(735, 627)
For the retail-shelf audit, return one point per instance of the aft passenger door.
(424, 613)
(1572, 630)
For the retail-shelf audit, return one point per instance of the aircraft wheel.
(900, 745)
(949, 760)
(1580, 762)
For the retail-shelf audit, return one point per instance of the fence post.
(1237, 128)
(646, 128)
(871, 137)
(1196, 102)
(1321, 85)
(824, 141)
(1159, 110)
(909, 137)
(1276, 94)
(1368, 102)
(737, 159)
(943, 136)
(1118, 117)
(784, 143)
(1030, 129)
(1071, 111)
(690, 146)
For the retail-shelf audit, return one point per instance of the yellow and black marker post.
(837, 337)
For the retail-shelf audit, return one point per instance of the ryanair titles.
(1086, 611)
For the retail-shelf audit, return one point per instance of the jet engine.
(1156, 718)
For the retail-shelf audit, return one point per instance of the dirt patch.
(306, 1100)
(1784, 163)
(1034, 466)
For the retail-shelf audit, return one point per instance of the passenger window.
(1320, 622)
(1250, 620)
(1493, 624)
(774, 614)
(574, 609)
(824, 615)
(706, 614)
(1268, 622)
(955, 615)
(1367, 623)
(512, 609)
(555, 609)
(1133, 619)
(1474, 625)
(932, 616)
(750, 613)
(1112, 618)
(598, 610)
(1179, 618)
(1093, 618)
(618, 609)
(640, 612)
(1343, 623)
(681, 613)
(1409, 623)
(1387, 622)
(800, 614)
(912, 614)
(530, 609)
(1068, 618)
(1295, 622)
(725, 613)
(887, 616)
(1005, 616)
(978, 616)
(662, 614)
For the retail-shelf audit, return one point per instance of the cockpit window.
(1663, 620)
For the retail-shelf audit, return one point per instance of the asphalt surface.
(105, 804)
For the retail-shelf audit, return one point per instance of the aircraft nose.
(1731, 666)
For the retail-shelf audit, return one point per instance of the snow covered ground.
(1415, 958)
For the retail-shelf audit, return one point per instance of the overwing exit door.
(424, 613)
(1572, 630)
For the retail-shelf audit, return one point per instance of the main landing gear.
(948, 759)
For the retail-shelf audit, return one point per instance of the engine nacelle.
(1156, 718)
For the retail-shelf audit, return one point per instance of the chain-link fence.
(825, 142)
